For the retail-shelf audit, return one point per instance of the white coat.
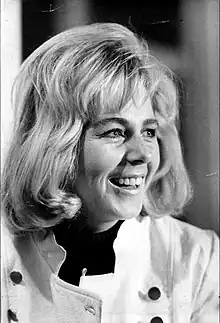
(165, 271)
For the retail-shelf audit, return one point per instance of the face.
(119, 156)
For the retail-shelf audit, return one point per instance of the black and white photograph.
(110, 161)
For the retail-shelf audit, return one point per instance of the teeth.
(131, 181)
(138, 181)
(127, 181)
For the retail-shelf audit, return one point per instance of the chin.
(124, 212)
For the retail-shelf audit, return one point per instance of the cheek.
(99, 159)
(155, 159)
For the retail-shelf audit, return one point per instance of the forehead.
(137, 110)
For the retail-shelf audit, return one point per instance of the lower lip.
(127, 191)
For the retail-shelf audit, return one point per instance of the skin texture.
(123, 147)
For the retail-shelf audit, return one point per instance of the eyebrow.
(124, 122)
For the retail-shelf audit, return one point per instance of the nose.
(137, 151)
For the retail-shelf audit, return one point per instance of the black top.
(85, 249)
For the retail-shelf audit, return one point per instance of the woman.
(92, 179)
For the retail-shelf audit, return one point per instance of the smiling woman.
(93, 176)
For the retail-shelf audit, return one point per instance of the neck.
(100, 227)
(94, 223)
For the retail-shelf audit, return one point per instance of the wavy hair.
(61, 87)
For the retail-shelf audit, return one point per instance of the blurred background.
(181, 33)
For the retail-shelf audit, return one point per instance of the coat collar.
(50, 250)
(133, 238)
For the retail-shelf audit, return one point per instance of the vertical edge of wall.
(213, 87)
(10, 62)
(201, 110)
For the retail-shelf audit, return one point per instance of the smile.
(127, 182)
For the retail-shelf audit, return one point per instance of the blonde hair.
(61, 87)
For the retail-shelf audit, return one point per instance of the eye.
(149, 133)
(114, 133)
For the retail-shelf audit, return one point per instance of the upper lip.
(127, 175)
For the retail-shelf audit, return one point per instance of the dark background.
(157, 20)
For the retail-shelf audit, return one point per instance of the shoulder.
(189, 236)
(196, 250)
(12, 245)
(192, 249)
(206, 241)
(8, 241)
(195, 267)
(11, 269)
(16, 252)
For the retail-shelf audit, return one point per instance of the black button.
(90, 309)
(16, 277)
(156, 319)
(12, 316)
(154, 293)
